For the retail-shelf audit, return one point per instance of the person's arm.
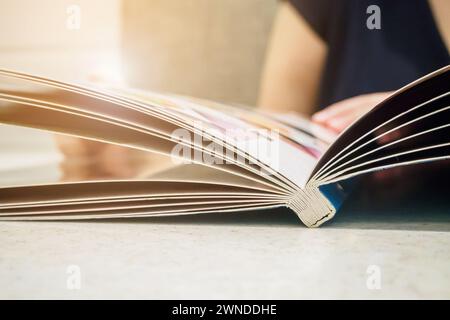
(292, 71)
(293, 66)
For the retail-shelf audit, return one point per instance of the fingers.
(90, 160)
(339, 123)
(340, 115)
(86, 159)
(78, 147)
(337, 109)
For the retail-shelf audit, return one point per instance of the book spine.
(311, 206)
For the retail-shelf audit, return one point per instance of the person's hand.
(90, 160)
(340, 115)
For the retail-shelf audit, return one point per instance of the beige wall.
(35, 37)
(205, 48)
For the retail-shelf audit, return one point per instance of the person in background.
(336, 59)
(321, 54)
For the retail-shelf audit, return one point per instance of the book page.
(246, 131)
(411, 98)
(119, 111)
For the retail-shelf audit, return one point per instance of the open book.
(170, 155)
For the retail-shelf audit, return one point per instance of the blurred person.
(321, 54)
(336, 59)
(330, 60)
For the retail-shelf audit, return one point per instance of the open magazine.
(189, 156)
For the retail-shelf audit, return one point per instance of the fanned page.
(146, 154)
(411, 127)
(130, 153)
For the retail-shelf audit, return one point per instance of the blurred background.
(205, 48)
(210, 49)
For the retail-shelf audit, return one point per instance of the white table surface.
(240, 256)
(258, 255)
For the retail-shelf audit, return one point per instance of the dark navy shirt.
(361, 60)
